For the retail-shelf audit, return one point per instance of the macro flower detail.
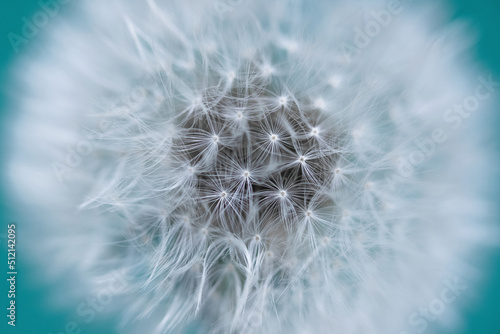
(246, 173)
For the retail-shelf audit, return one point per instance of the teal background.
(33, 313)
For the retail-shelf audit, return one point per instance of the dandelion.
(245, 188)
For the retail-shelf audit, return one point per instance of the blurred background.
(33, 313)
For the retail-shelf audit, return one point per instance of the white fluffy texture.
(239, 167)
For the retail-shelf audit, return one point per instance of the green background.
(33, 313)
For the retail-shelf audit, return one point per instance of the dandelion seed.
(320, 104)
(283, 100)
(267, 70)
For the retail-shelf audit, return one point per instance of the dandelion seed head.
(249, 171)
